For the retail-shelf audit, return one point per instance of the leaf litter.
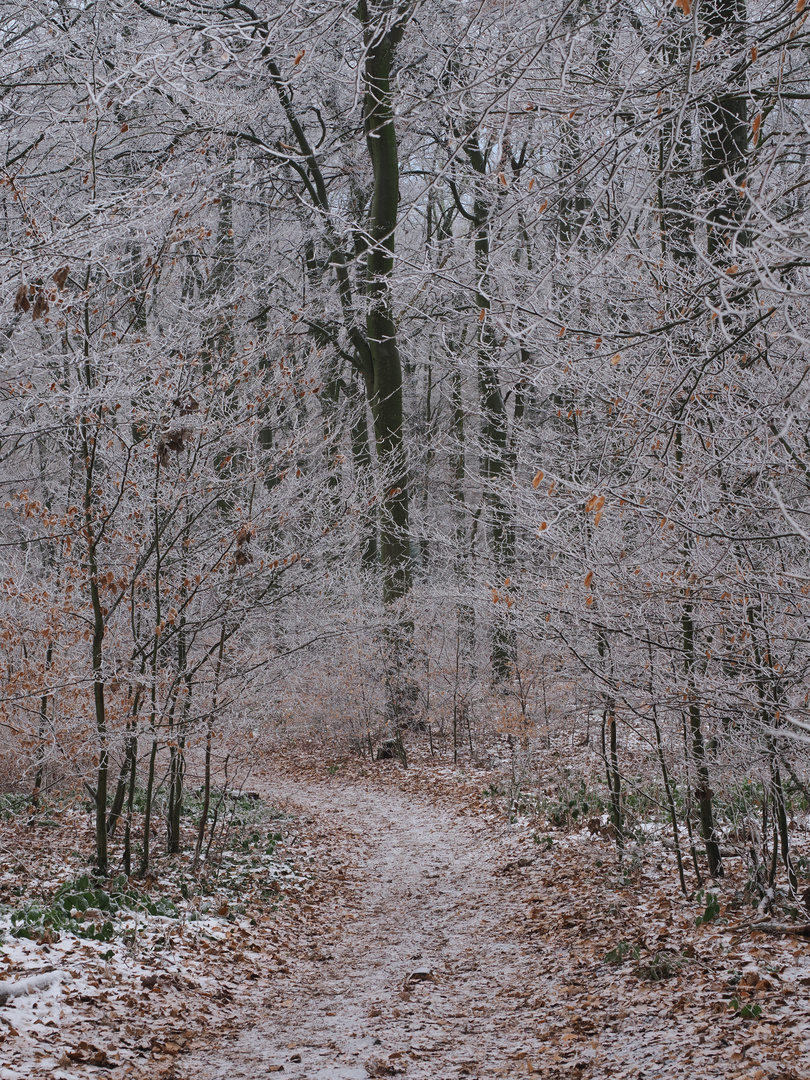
(422, 929)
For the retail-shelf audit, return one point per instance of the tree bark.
(383, 26)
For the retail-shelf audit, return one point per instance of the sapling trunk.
(43, 725)
(130, 802)
(127, 765)
(203, 822)
(147, 813)
(659, 746)
(703, 792)
(175, 805)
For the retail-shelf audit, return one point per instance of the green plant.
(570, 806)
(663, 965)
(748, 1011)
(332, 769)
(712, 908)
(11, 805)
(623, 951)
(75, 898)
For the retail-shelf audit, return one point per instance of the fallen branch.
(765, 903)
(802, 930)
(27, 986)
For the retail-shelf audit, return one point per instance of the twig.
(14, 855)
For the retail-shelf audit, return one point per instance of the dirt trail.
(421, 896)
(515, 935)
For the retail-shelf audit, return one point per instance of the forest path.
(516, 935)
(420, 894)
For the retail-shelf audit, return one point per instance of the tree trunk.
(43, 723)
(725, 135)
(383, 29)
(97, 647)
(147, 812)
(127, 765)
(703, 793)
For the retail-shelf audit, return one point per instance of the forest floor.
(422, 934)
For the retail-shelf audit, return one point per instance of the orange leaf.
(482, 314)
(597, 517)
(597, 343)
(536, 481)
(588, 579)
(615, 359)
(755, 126)
(684, 5)
(299, 56)
(590, 504)
(600, 502)
(543, 525)
(531, 183)
(754, 54)
(502, 178)
(589, 601)
(542, 206)
(561, 331)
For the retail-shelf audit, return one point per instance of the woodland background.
(428, 370)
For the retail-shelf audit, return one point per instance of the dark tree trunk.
(383, 28)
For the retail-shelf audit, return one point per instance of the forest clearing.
(404, 538)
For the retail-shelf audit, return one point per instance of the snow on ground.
(398, 923)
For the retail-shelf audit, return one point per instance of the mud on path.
(413, 975)
(455, 946)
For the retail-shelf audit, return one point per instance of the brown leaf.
(40, 305)
(21, 301)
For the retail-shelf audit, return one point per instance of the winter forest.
(405, 398)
